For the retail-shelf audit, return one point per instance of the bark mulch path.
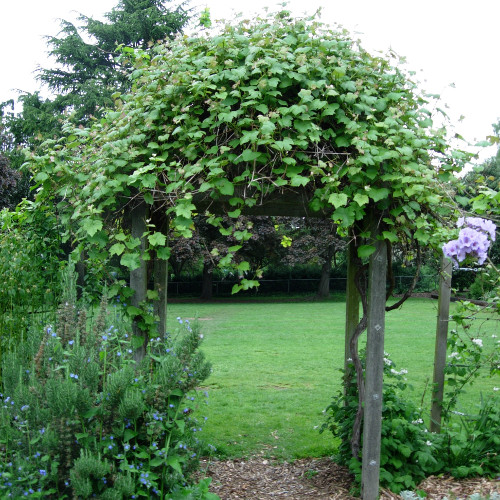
(259, 478)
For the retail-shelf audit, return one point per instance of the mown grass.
(275, 369)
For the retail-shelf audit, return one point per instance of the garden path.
(260, 478)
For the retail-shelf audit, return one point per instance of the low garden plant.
(467, 445)
(81, 419)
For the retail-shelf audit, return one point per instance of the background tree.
(313, 241)
(88, 71)
(9, 179)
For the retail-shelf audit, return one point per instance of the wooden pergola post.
(352, 309)
(139, 276)
(441, 344)
(372, 423)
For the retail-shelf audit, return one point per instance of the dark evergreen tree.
(88, 70)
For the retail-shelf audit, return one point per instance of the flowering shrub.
(79, 418)
(473, 240)
(467, 445)
(407, 448)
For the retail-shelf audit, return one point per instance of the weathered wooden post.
(441, 344)
(352, 309)
(160, 275)
(139, 276)
(161, 286)
(372, 424)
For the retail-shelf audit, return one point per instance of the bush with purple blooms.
(473, 240)
(79, 418)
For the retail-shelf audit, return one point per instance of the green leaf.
(342, 142)
(129, 434)
(330, 109)
(181, 424)
(91, 226)
(365, 250)
(249, 155)
(388, 235)
(345, 216)
(184, 208)
(243, 266)
(131, 261)
(41, 176)
(299, 180)
(338, 199)
(120, 237)
(148, 198)
(163, 253)
(422, 236)
(133, 311)
(117, 249)
(425, 123)
(174, 463)
(152, 294)
(267, 127)
(235, 213)
(224, 186)
(157, 239)
(377, 194)
(361, 199)
(92, 412)
(156, 462)
(262, 108)
(137, 341)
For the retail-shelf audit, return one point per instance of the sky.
(451, 44)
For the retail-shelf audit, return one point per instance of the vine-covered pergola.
(274, 116)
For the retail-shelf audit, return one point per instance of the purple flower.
(473, 240)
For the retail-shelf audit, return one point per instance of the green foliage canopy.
(262, 108)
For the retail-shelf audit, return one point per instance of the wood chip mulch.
(260, 478)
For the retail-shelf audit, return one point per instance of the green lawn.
(275, 368)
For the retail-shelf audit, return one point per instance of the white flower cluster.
(474, 239)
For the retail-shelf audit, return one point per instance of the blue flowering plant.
(80, 418)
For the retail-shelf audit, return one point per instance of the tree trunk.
(207, 285)
(139, 276)
(372, 423)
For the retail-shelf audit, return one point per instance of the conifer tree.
(88, 71)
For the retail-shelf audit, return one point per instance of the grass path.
(275, 368)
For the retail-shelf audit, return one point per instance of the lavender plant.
(79, 418)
